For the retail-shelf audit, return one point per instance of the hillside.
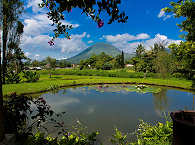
(97, 49)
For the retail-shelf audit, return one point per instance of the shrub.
(23, 114)
(54, 87)
(31, 76)
(12, 78)
(159, 133)
(147, 134)
(119, 138)
(67, 139)
(178, 75)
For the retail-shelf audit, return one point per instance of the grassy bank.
(45, 83)
(119, 73)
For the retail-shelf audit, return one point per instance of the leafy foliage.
(184, 55)
(185, 9)
(127, 88)
(181, 59)
(160, 134)
(103, 61)
(146, 61)
(31, 76)
(23, 114)
(69, 138)
(12, 77)
(63, 63)
(119, 138)
(92, 8)
(97, 49)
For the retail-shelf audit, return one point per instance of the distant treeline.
(48, 61)
(103, 61)
(177, 62)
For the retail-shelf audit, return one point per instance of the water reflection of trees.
(160, 101)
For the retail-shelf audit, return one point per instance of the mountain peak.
(95, 49)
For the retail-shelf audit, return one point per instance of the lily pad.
(127, 88)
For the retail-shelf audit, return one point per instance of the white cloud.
(125, 37)
(123, 41)
(37, 56)
(34, 4)
(27, 54)
(142, 36)
(62, 46)
(90, 41)
(126, 42)
(72, 46)
(88, 36)
(163, 15)
(37, 31)
(159, 39)
(167, 17)
(39, 24)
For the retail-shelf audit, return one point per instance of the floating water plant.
(127, 88)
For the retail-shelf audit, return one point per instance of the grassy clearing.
(68, 80)
(120, 73)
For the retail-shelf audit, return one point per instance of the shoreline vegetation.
(73, 77)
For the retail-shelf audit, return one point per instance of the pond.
(105, 107)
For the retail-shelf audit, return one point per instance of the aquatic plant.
(53, 87)
(127, 88)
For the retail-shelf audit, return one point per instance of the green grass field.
(64, 80)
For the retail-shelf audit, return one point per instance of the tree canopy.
(92, 8)
(185, 9)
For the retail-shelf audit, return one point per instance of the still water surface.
(104, 108)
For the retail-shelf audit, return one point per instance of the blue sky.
(147, 24)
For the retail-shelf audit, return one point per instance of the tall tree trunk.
(1, 100)
(5, 33)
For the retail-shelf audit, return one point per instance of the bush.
(159, 134)
(67, 139)
(23, 114)
(178, 75)
(78, 135)
(12, 78)
(147, 134)
(31, 76)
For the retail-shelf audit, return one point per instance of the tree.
(63, 63)
(158, 47)
(1, 100)
(92, 8)
(35, 63)
(140, 50)
(51, 64)
(120, 62)
(9, 12)
(9, 17)
(184, 53)
(11, 9)
(145, 61)
(162, 63)
(14, 54)
(184, 9)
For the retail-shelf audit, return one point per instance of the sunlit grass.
(67, 80)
